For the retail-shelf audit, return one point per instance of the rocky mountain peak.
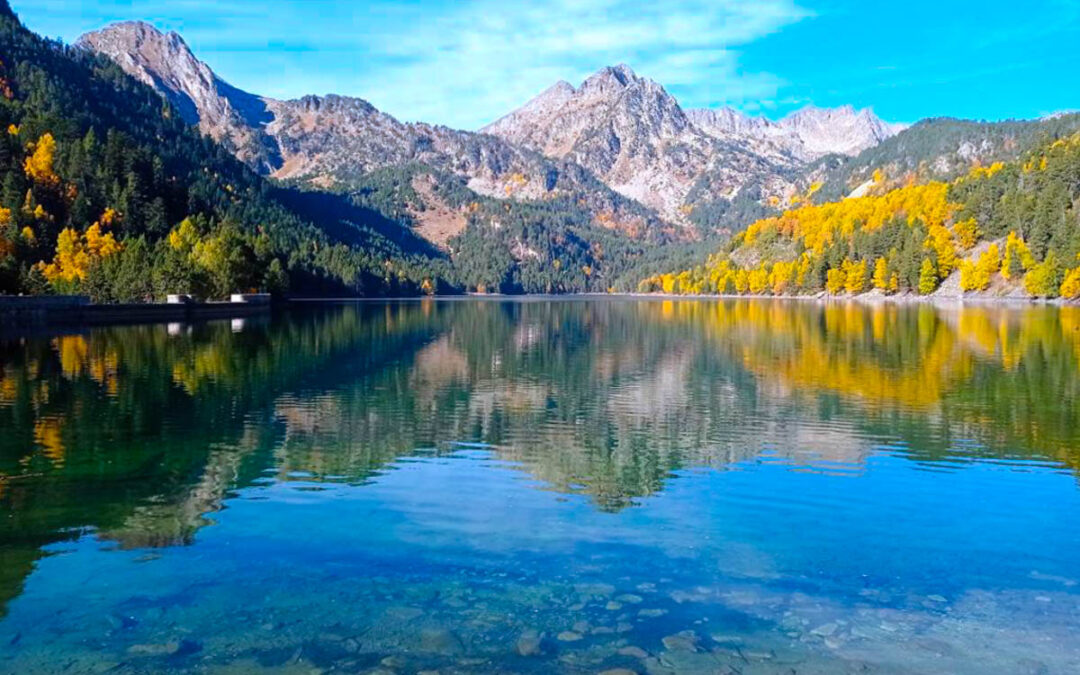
(806, 134)
(843, 130)
(617, 124)
(612, 78)
(158, 59)
(164, 61)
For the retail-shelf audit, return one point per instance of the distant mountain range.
(624, 129)
(592, 187)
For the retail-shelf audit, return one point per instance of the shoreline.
(865, 298)
(21, 312)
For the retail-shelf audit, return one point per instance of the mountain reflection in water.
(774, 468)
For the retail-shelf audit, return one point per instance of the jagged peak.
(140, 30)
(620, 75)
(560, 87)
(126, 39)
(335, 102)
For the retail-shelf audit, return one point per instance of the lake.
(546, 485)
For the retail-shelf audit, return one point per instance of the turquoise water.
(567, 486)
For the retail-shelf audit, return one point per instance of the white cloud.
(460, 63)
(467, 66)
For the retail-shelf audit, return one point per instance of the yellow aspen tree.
(928, 277)
(854, 276)
(967, 276)
(1018, 258)
(1070, 287)
(834, 281)
(39, 165)
(881, 274)
(742, 281)
(759, 280)
(940, 240)
(967, 233)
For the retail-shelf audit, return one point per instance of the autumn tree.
(928, 277)
(39, 165)
(854, 276)
(1018, 258)
(835, 280)
(1044, 279)
(1070, 287)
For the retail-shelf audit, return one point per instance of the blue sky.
(466, 62)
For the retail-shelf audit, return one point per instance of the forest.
(105, 191)
(1006, 228)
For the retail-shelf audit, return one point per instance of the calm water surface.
(546, 486)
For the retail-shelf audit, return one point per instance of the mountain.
(105, 190)
(700, 172)
(635, 137)
(231, 117)
(936, 149)
(808, 133)
(1000, 220)
(330, 141)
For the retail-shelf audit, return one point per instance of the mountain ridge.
(623, 128)
(332, 140)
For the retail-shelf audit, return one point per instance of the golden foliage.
(940, 240)
(928, 277)
(817, 226)
(1043, 280)
(881, 274)
(1018, 257)
(759, 280)
(1070, 287)
(967, 233)
(184, 236)
(976, 276)
(75, 254)
(854, 276)
(39, 165)
(987, 171)
(835, 280)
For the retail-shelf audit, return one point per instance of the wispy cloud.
(458, 63)
(484, 58)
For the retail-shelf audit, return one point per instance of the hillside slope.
(1004, 229)
(106, 190)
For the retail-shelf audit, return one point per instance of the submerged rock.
(686, 641)
(568, 636)
(635, 652)
(440, 641)
(530, 643)
(162, 649)
(603, 590)
(825, 630)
